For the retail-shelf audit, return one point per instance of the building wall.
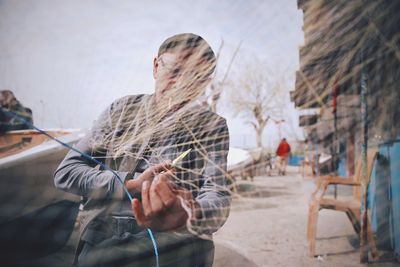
(344, 41)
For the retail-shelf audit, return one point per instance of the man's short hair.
(193, 44)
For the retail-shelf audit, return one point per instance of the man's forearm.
(76, 175)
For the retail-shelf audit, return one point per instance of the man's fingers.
(164, 188)
(165, 166)
(146, 199)
(155, 200)
(152, 171)
(138, 212)
(133, 185)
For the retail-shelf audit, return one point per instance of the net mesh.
(346, 88)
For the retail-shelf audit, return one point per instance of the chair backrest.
(371, 155)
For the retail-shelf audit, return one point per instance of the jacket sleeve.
(80, 176)
(214, 197)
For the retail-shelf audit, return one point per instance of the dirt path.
(268, 228)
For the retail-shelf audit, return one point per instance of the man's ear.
(155, 67)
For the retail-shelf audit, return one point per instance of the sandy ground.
(268, 228)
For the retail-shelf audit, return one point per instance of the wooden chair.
(351, 206)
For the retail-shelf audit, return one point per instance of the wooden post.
(336, 147)
(364, 179)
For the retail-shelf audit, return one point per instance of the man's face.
(177, 71)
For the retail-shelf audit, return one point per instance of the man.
(138, 136)
(282, 153)
(8, 102)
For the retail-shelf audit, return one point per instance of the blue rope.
(89, 158)
(153, 240)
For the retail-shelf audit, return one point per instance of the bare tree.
(258, 95)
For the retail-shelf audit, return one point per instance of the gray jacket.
(203, 171)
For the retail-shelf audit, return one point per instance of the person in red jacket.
(282, 153)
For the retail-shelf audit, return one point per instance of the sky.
(68, 60)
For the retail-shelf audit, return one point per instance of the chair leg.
(354, 221)
(371, 242)
(312, 227)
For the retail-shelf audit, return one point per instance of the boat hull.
(26, 178)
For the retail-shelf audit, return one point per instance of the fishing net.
(345, 89)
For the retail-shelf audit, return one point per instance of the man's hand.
(134, 186)
(161, 207)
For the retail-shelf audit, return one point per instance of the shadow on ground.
(254, 191)
(226, 256)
